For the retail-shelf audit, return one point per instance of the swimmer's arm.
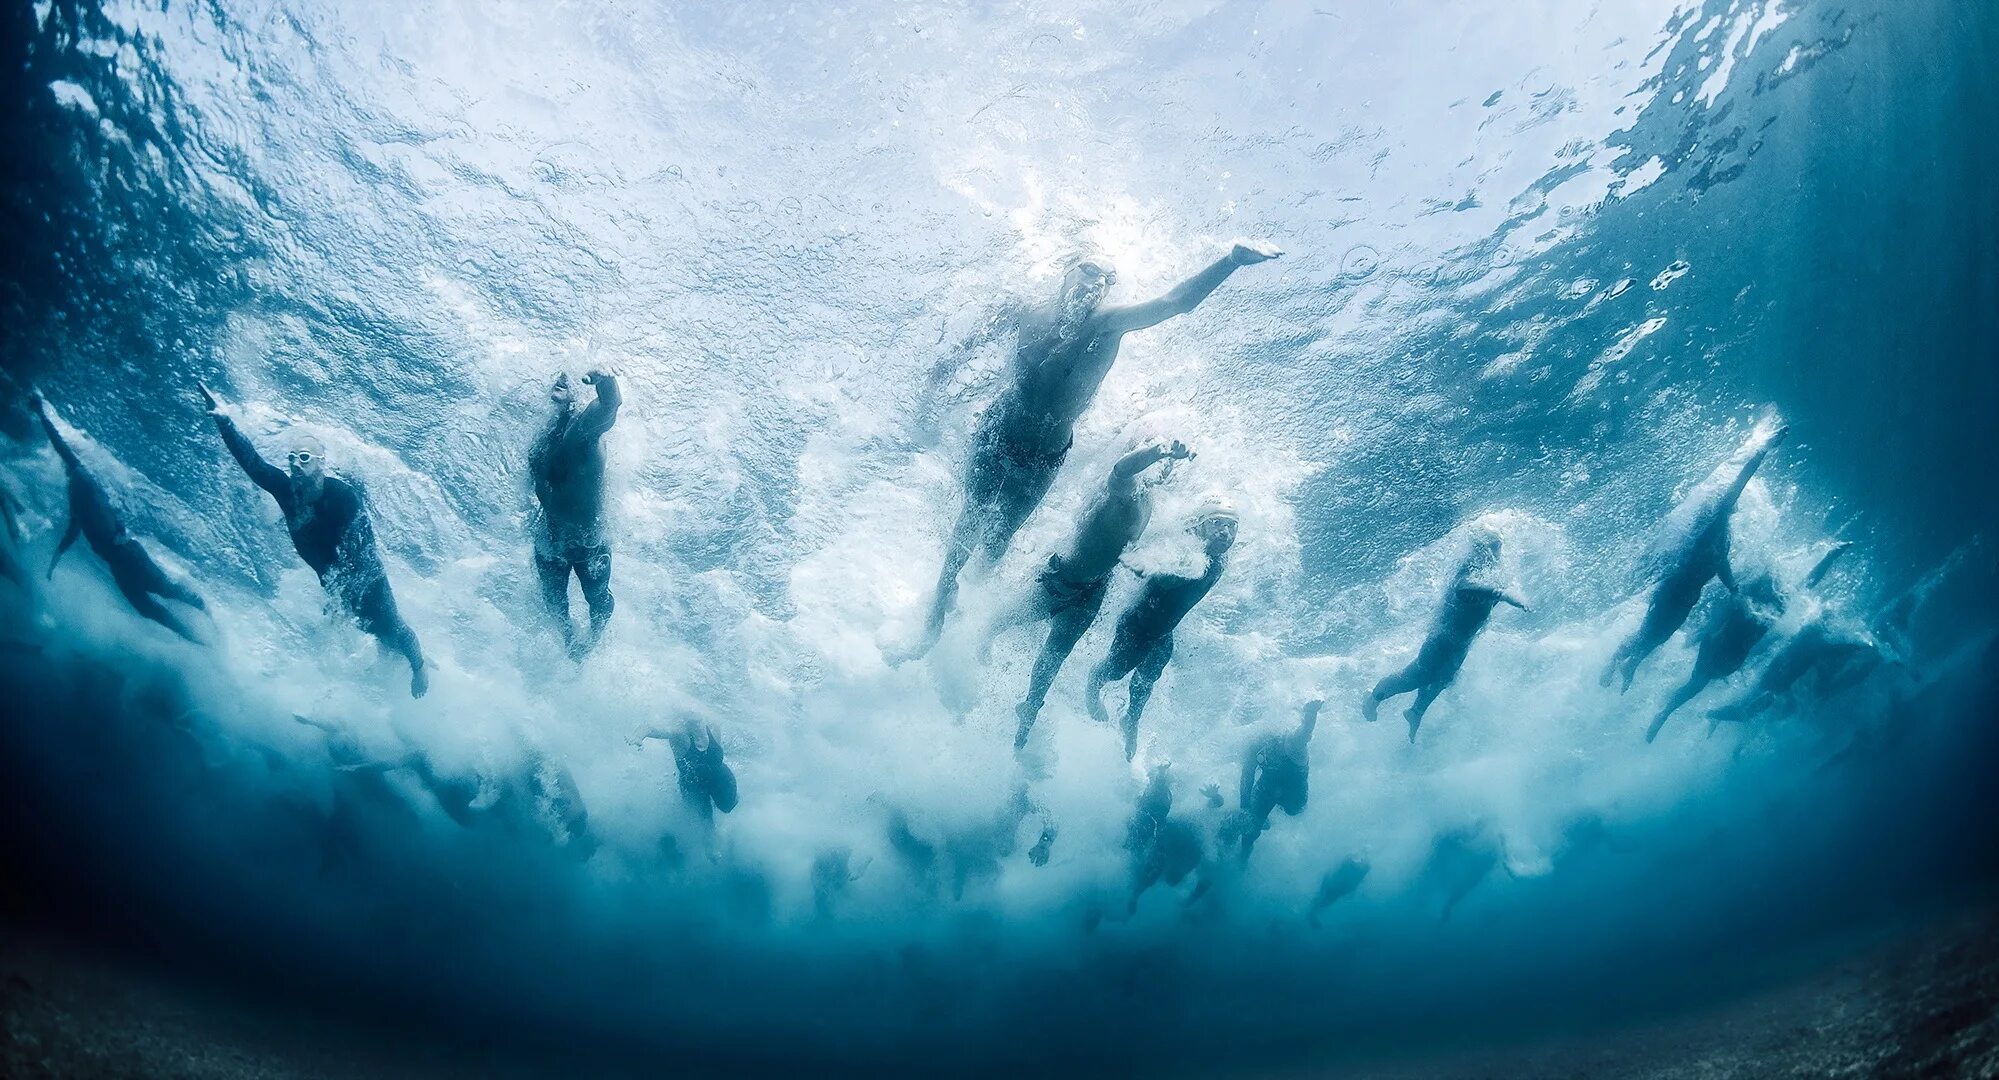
(1727, 573)
(69, 535)
(8, 510)
(1825, 564)
(603, 412)
(264, 474)
(56, 440)
(1187, 295)
(1249, 763)
(1508, 596)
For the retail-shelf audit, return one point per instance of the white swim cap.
(1217, 508)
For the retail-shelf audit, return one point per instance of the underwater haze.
(1546, 266)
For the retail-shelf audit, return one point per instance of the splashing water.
(1544, 271)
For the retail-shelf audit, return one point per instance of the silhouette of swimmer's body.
(1070, 591)
(1163, 848)
(567, 463)
(10, 539)
(1144, 640)
(1338, 884)
(707, 784)
(138, 578)
(1065, 350)
(1467, 606)
(1736, 626)
(1274, 776)
(1829, 645)
(1694, 551)
(328, 521)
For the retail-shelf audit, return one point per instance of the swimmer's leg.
(146, 605)
(375, 609)
(1425, 694)
(553, 576)
(957, 552)
(1390, 686)
(1142, 681)
(138, 578)
(594, 575)
(1694, 685)
(1063, 633)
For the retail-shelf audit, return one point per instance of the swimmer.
(1274, 776)
(1070, 590)
(707, 784)
(1467, 606)
(1830, 646)
(1144, 641)
(1163, 848)
(1734, 630)
(1065, 350)
(567, 463)
(139, 579)
(328, 521)
(1694, 551)
(11, 538)
(1338, 884)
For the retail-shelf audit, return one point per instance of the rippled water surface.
(1546, 265)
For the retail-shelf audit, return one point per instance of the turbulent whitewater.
(1546, 267)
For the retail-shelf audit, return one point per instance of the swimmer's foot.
(1415, 721)
(1025, 712)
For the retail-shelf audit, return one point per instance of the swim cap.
(1218, 508)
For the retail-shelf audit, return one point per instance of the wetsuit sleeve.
(264, 474)
(1249, 764)
(56, 440)
(603, 412)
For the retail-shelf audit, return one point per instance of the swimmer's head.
(306, 462)
(1085, 282)
(1216, 525)
(561, 391)
(1485, 545)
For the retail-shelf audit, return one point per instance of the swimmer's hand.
(1213, 793)
(1176, 451)
(1244, 253)
(591, 377)
(1313, 706)
(209, 400)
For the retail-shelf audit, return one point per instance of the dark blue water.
(1544, 270)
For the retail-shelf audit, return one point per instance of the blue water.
(1546, 265)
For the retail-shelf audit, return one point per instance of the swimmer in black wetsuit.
(1694, 551)
(10, 538)
(329, 526)
(1733, 632)
(707, 784)
(1144, 641)
(1275, 775)
(1070, 590)
(91, 516)
(568, 466)
(1066, 348)
(1467, 606)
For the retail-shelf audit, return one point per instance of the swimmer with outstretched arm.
(1734, 631)
(1144, 641)
(91, 516)
(329, 526)
(1070, 590)
(1695, 553)
(567, 462)
(1065, 350)
(1467, 607)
